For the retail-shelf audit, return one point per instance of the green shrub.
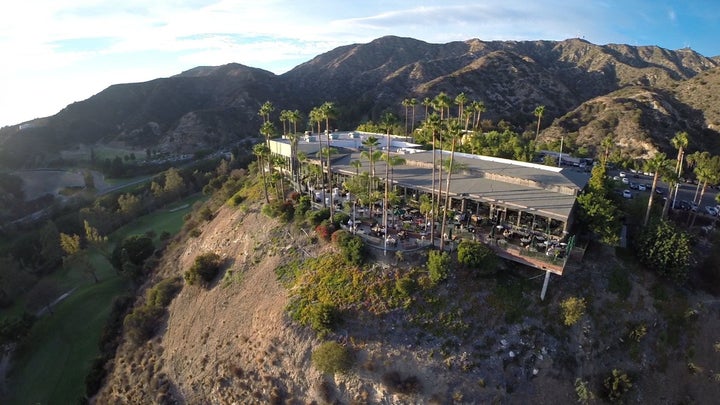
(585, 395)
(573, 309)
(323, 317)
(303, 205)
(352, 247)
(205, 213)
(141, 324)
(406, 286)
(134, 249)
(666, 248)
(438, 265)
(638, 332)
(163, 292)
(237, 199)
(476, 255)
(317, 217)
(282, 210)
(332, 358)
(340, 218)
(204, 269)
(616, 385)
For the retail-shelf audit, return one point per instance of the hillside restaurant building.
(517, 195)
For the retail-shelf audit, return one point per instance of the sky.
(56, 52)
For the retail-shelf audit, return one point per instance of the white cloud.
(137, 40)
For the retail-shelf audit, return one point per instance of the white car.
(711, 211)
(625, 180)
(622, 174)
(642, 187)
(627, 194)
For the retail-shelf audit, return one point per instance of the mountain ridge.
(214, 105)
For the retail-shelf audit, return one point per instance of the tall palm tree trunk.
(650, 200)
(447, 195)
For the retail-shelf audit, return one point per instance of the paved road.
(686, 191)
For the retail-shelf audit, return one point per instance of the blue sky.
(56, 52)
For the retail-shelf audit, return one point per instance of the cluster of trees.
(34, 253)
(661, 243)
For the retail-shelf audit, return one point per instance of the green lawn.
(169, 218)
(61, 347)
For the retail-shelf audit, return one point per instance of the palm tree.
(357, 164)
(265, 111)
(327, 152)
(680, 142)
(278, 162)
(460, 100)
(478, 109)
(433, 124)
(315, 116)
(671, 178)
(393, 161)
(440, 103)
(327, 110)
(294, 138)
(693, 161)
(285, 118)
(539, 112)
(301, 157)
(371, 142)
(294, 117)
(707, 172)
(607, 144)
(268, 130)
(261, 151)
(427, 102)
(454, 131)
(413, 103)
(406, 104)
(388, 121)
(317, 172)
(469, 112)
(655, 165)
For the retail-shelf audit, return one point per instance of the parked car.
(625, 180)
(634, 186)
(658, 190)
(622, 174)
(682, 205)
(626, 194)
(711, 211)
(642, 187)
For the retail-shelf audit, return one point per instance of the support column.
(519, 218)
(545, 285)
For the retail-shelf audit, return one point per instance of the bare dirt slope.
(233, 343)
(228, 344)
